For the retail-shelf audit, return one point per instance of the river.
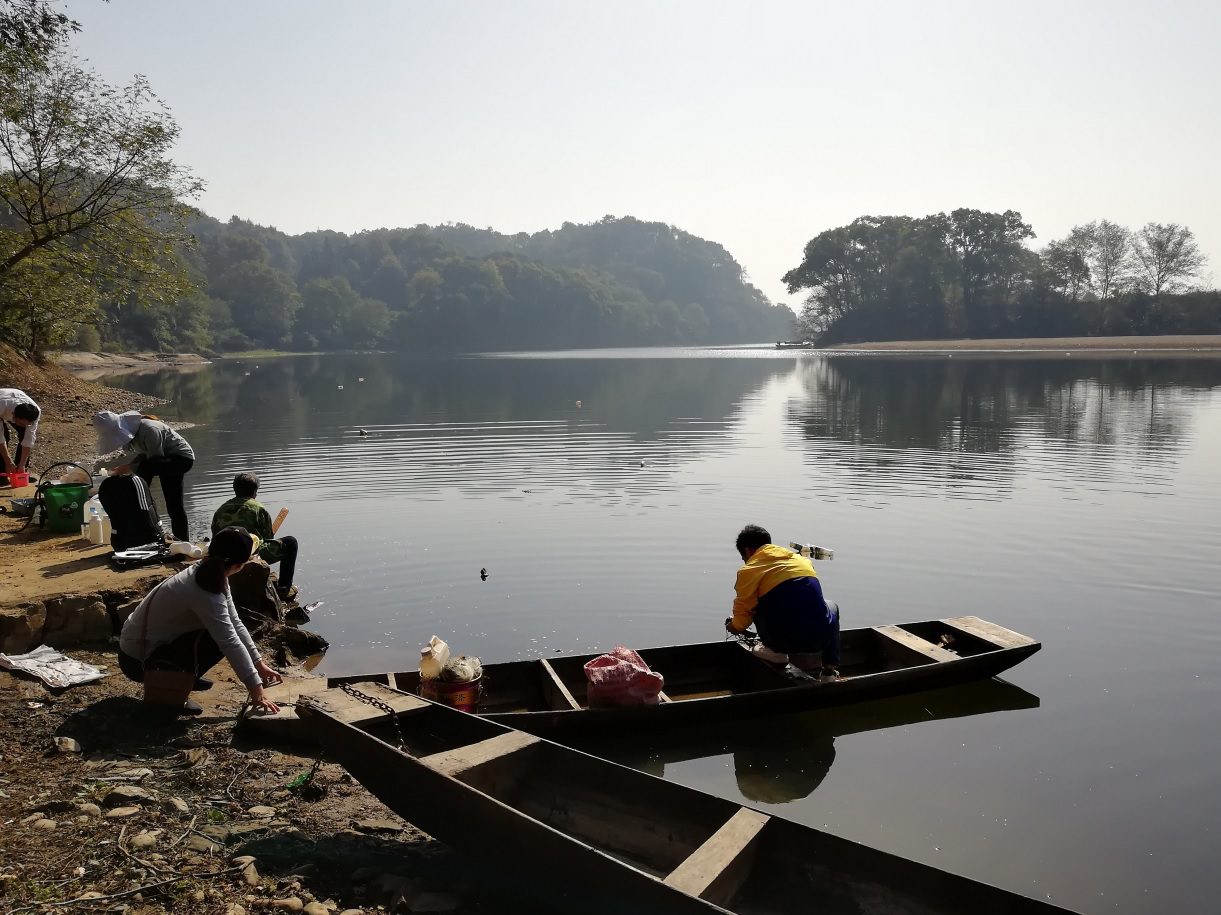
(1077, 501)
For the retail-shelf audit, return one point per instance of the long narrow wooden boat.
(717, 680)
(578, 833)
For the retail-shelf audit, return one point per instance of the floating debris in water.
(483, 574)
(578, 404)
(360, 379)
(341, 387)
(363, 432)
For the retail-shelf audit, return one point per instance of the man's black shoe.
(191, 707)
(201, 683)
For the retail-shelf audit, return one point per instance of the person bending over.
(246, 511)
(189, 622)
(149, 448)
(19, 417)
(779, 592)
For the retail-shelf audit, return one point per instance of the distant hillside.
(454, 288)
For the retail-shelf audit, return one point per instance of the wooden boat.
(793, 344)
(717, 680)
(579, 833)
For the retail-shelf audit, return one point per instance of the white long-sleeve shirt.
(179, 606)
(153, 439)
(10, 399)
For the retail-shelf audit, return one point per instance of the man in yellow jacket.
(779, 592)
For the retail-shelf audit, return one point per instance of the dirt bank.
(1182, 344)
(91, 366)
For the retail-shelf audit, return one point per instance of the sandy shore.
(1210, 343)
(92, 366)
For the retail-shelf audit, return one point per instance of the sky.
(753, 124)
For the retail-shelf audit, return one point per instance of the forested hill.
(619, 281)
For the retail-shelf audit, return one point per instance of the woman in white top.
(189, 622)
(149, 448)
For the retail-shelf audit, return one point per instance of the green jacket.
(250, 514)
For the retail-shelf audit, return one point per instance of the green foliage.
(970, 274)
(93, 205)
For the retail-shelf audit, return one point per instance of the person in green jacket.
(244, 510)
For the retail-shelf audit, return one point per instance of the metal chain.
(378, 704)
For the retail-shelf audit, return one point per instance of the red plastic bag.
(621, 677)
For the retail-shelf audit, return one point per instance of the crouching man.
(244, 510)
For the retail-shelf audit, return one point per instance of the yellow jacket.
(769, 566)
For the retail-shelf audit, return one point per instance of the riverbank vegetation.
(974, 274)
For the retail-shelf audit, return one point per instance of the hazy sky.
(754, 124)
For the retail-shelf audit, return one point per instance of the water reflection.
(965, 427)
(781, 759)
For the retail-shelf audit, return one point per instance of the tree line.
(101, 247)
(973, 274)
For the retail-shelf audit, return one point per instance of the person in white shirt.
(19, 415)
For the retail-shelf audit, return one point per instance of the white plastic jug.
(188, 550)
(94, 524)
(433, 658)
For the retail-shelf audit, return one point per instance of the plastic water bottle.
(95, 526)
(810, 551)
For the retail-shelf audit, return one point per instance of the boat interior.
(715, 669)
(708, 847)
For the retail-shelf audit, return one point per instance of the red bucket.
(17, 479)
(462, 696)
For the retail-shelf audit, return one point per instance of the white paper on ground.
(52, 667)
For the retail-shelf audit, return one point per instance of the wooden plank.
(453, 762)
(914, 642)
(563, 697)
(718, 867)
(349, 709)
(990, 632)
(392, 680)
(664, 698)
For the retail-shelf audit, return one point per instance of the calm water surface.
(1074, 500)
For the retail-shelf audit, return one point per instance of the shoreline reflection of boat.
(780, 760)
(577, 833)
(715, 681)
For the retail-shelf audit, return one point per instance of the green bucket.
(65, 506)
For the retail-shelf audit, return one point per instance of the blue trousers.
(794, 618)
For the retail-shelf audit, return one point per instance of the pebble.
(262, 811)
(379, 826)
(316, 908)
(33, 818)
(352, 912)
(67, 745)
(291, 904)
(122, 812)
(92, 810)
(44, 824)
(146, 839)
(250, 874)
(243, 860)
(202, 844)
(235, 909)
(126, 795)
(175, 805)
(91, 894)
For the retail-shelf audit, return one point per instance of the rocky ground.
(107, 803)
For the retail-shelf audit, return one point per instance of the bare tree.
(1107, 248)
(1167, 258)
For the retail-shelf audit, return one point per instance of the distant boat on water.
(794, 344)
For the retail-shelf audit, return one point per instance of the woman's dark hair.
(752, 537)
(27, 411)
(230, 546)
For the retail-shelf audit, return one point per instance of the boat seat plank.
(392, 681)
(453, 762)
(990, 632)
(718, 867)
(914, 642)
(662, 697)
(350, 710)
(561, 696)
